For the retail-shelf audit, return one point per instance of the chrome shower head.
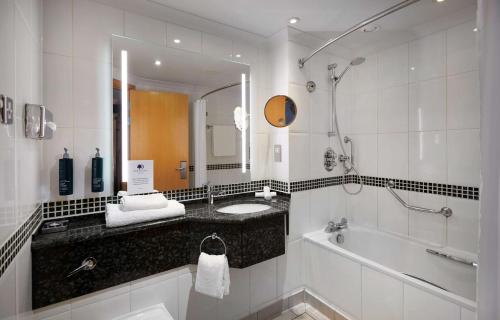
(357, 61)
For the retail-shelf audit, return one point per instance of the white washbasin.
(243, 208)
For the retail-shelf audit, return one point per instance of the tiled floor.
(289, 315)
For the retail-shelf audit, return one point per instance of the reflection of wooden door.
(159, 131)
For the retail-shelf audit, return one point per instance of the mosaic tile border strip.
(456, 191)
(78, 207)
(15, 242)
(221, 166)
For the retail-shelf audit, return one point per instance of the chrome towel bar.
(445, 211)
(452, 257)
(214, 236)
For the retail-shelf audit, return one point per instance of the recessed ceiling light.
(440, 0)
(371, 28)
(157, 63)
(412, 68)
(237, 55)
(177, 40)
(475, 29)
(293, 20)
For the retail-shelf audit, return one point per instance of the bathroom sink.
(244, 208)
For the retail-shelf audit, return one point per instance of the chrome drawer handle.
(87, 264)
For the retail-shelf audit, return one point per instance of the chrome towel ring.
(213, 236)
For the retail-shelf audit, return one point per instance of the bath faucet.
(334, 226)
(211, 193)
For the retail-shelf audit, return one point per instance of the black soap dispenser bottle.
(65, 174)
(97, 179)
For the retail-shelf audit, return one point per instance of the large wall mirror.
(186, 111)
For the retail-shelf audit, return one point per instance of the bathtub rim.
(449, 296)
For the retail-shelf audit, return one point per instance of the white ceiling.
(177, 66)
(266, 17)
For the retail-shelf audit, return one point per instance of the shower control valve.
(329, 159)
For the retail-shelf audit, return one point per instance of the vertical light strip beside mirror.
(124, 114)
(243, 124)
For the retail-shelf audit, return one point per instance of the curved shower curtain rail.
(445, 211)
(222, 88)
(360, 25)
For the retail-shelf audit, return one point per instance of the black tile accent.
(221, 166)
(15, 242)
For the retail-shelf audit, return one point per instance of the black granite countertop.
(90, 227)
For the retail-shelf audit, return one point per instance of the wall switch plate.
(277, 153)
(6, 110)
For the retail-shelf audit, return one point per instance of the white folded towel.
(266, 194)
(212, 275)
(115, 217)
(143, 202)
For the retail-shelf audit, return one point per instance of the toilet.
(156, 312)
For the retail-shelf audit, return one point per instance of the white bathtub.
(364, 277)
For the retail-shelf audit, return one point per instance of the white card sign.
(140, 176)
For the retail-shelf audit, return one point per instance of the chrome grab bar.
(452, 257)
(445, 211)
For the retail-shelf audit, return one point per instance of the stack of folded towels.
(142, 208)
(212, 275)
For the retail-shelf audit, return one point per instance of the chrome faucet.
(212, 193)
(334, 226)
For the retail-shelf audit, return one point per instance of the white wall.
(489, 257)
(20, 158)
(414, 114)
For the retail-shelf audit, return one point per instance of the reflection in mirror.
(186, 111)
(280, 111)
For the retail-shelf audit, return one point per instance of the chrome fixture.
(452, 257)
(346, 160)
(310, 86)
(87, 264)
(426, 281)
(399, 6)
(329, 159)
(223, 87)
(213, 236)
(445, 211)
(333, 226)
(213, 193)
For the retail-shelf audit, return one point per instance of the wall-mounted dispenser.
(38, 122)
(65, 174)
(6, 110)
(97, 178)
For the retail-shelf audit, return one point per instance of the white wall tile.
(23, 281)
(93, 25)
(426, 226)
(463, 101)
(393, 66)
(428, 105)
(92, 94)
(165, 292)
(362, 208)
(365, 148)
(366, 75)
(7, 55)
(382, 296)
(295, 74)
(392, 216)
(345, 105)
(8, 293)
(463, 157)
(262, 284)
(419, 304)
(428, 156)
(217, 47)
(289, 268)
(320, 208)
(461, 48)
(318, 145)
(190, 39)
(301, 97)
(364, 113)
(428, 57)
(58, 26)
(393, 164)
(463, 225)
(58, 88)
(393, 109)
(145, 29)
(299, 156)
(466, 314)
(319, 71)
(320, 110)
(338, 203)
(299, 214)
